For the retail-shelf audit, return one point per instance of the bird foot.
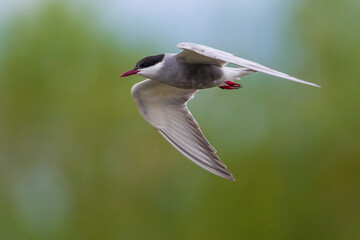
(230, 85)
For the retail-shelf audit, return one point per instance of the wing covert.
(221, 56)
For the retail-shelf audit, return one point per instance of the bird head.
(146, 67)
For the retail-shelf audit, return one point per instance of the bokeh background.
(77, 161)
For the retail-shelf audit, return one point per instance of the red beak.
(128, 73)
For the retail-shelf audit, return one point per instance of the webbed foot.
(230, 85)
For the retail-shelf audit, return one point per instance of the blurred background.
(77, 161)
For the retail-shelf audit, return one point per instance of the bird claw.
(230, 85)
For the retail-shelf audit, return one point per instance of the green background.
(77, 161)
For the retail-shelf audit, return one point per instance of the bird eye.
(144, 65)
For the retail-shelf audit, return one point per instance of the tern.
(173, 80)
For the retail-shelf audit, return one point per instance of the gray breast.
(188, 75)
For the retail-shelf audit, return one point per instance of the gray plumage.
(165, 108)
(173, 81)
(178, 73)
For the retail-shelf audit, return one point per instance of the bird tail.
(236, 73)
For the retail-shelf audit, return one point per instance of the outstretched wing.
(165, 108)
(192, 51)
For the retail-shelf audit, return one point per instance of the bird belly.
(194, 76)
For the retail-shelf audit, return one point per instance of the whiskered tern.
(173, 79)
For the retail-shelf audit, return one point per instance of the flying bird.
(173, 79)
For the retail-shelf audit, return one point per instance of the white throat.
(152, 71)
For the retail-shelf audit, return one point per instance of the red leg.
(230, 85)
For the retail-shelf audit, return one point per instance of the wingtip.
(230, 177)
(302, 81)
(314, 85)
(227, 176)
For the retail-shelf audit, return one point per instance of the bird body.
(172, 70)
(173, 79)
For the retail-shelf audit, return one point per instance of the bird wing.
(165, 108)
(221, 57)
